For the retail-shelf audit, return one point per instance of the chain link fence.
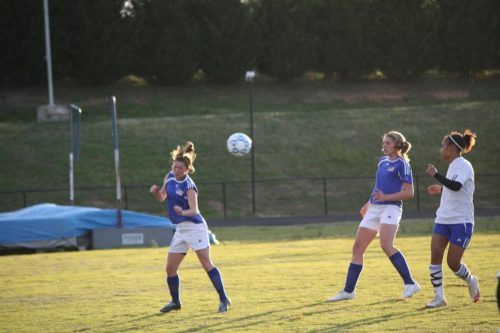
(274, 197)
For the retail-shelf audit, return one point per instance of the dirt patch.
(382, 92)
(444, 95)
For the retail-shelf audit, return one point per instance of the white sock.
(463, 273)
(436, 273)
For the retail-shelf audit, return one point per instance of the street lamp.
(249, 76)
(50, 112)
(48, 54)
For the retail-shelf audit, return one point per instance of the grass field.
(277, 282)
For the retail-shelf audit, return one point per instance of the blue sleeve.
(406, 173)
(191, 185)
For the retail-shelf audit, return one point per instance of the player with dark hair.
(181, 194)
(454, 222)
(382, 214)
(498, 291)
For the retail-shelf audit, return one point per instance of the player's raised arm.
(192, 197)
(159, 193)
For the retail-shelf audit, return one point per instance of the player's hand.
(154, 189)
(364, 209)
(378, 196)
(434, 189)
(178, 210)
(431, 170)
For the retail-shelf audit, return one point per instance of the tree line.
(168, 42)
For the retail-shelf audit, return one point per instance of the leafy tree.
(99, 49)
(166, 41)
(469, 35)
(405, 37)
(230, 39)
(287, 43)
(22, 60)
(344, 45)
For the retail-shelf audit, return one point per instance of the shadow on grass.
(373, 320)
(260, 318)
(279, 315)
(111, 325)
(264, 318)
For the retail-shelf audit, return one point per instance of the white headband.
(456, 143)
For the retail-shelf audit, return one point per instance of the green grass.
(276, 285)
(407, 228)
(301, 130)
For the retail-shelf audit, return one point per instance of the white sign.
(249, 75)
(133, 239)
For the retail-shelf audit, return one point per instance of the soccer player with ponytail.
(454, 222)
(382, 214)
(181, 194)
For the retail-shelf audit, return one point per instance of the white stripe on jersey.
(166, 179)
(406, 165)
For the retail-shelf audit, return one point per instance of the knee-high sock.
(352, 277)
(173, 283)
(463, 273)
(399, 261)
(436, 273)
(216, 279)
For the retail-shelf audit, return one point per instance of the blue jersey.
(177, 196)
(391, 174)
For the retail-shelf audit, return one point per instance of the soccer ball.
(239, 144)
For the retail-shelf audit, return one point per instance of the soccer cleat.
(410, 290)
(224, 305)
(170, 306)
(474, 289)
(436, 302)
(342, 295)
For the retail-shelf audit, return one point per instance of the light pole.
(48, 53)
(249, 76)
(78, 110)
(50, 112)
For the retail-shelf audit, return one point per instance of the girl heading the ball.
(181, 195)
(454, 222)
(382, 214)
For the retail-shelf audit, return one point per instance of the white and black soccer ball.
(239, 144)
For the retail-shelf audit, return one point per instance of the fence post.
(125, 190)
(418, 192)
(325, 199)
(224, 199)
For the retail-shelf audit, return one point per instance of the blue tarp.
(46, 222)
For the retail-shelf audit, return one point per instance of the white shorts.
(381, 214)
(189, 235)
